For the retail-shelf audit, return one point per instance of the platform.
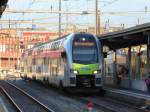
(2, 106)
(136, 98)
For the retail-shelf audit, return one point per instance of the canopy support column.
(129, 66)
(115, 68)
(148, 54)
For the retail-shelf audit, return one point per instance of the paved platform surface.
(2, 106)
(136, 98)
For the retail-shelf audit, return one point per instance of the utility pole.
(59, 18)
(96, 15)
(9, 49)
(67, 20)
(18, 48)
(99, 23)
(1, 50)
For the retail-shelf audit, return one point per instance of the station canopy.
(3, 4)
(127, 37)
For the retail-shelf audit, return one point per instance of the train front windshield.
(84, 49)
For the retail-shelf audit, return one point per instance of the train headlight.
(97, 71)
(75, 71)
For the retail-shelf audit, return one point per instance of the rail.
(11, 100)
(29, 96)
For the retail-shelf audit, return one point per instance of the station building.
(30, 38)
(13, 43)
(128, 57)
(9, 49)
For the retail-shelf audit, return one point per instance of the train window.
(63, 54)
(30, 69)
(85, 55)
(22, 69)
(26, 62)
(46, 60)
(50, 68)
(39, 70)
(30, 53)
(34, 61)
(85, 49)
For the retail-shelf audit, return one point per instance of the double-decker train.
(72, 61)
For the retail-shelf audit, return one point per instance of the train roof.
(57, 39)
(51, 41)
(40, 44)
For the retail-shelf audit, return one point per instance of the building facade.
(13, 44)
(9, 51)
(30, 38)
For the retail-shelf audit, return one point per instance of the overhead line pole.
(59, 18)
(9, 47)
(96, 15)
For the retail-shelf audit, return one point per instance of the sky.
(113, 13)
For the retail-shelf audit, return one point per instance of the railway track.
(22, 101)
(11, 100)
(63, 95)
(102, 104)
(109, 105)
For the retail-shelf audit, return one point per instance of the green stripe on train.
(85, 69)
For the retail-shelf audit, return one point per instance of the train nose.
(85, 80)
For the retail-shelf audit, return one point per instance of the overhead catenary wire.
(72, 13)
(76, 12)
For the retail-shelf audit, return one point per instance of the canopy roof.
(127, 37)
(3, 4)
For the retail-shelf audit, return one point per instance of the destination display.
(84, 43)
